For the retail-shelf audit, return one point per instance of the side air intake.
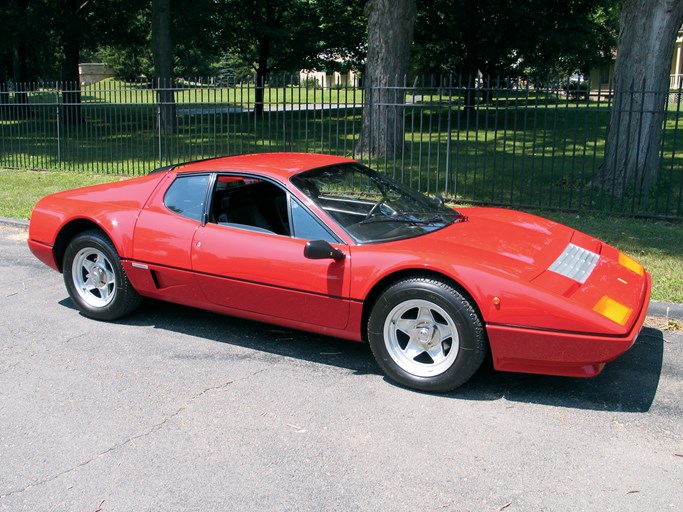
(575, 263)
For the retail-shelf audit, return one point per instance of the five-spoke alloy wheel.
(426, 334)
(95, 279)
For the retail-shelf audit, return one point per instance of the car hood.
(508, 241)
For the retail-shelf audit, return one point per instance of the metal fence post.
(449, 127)
(59, 140)
(159, 134)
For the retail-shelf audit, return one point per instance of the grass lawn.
(657, 245)
(20, 189)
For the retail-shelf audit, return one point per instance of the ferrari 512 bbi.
(324, 244)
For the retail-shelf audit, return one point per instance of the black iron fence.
(503, 142)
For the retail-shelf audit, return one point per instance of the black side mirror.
(321, 250)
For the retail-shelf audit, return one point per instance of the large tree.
(647, 35)
(390, 35)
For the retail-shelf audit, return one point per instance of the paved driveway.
(176, 409)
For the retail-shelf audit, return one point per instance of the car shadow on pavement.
(627, 384)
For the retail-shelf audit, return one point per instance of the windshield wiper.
(451, 215)
(409, 218)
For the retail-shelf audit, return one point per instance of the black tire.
(426, 335)
(95, 279)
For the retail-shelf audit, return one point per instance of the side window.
(186, 196)
(250, 203)
(306, 226)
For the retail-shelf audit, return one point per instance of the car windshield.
(369, 206)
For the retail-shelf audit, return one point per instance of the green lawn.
(657, 245)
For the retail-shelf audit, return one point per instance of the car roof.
(282, 165)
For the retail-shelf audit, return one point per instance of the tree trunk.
(21, 108)
(390, 34)
(4, 99)
(646, 42)
(261, 74)
(20, 66)
(470, 66)
(71, 47)
(162, 49)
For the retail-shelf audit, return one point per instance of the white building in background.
(92, 72)
(329, 78)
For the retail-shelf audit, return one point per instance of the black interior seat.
(259, 206)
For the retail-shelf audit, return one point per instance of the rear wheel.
(426, 335)
(95, 279)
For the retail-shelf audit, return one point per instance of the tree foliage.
(23, 56)
(513, 37)
(342, 33)
(129, 52)
(285, 36)
(213, 37)
(270, 36)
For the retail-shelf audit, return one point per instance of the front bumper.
(528, 350)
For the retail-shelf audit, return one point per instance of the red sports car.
(324, 244)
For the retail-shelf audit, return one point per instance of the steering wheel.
(374, 208)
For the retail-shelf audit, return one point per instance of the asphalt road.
(177, 409)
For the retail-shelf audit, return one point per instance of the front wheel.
(95, 279)
(426, 335)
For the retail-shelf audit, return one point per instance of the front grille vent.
(575, 263)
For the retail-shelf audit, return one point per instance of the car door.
(162, 239)
(246, 263)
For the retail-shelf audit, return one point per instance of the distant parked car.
(324, 244)
(576, 90)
